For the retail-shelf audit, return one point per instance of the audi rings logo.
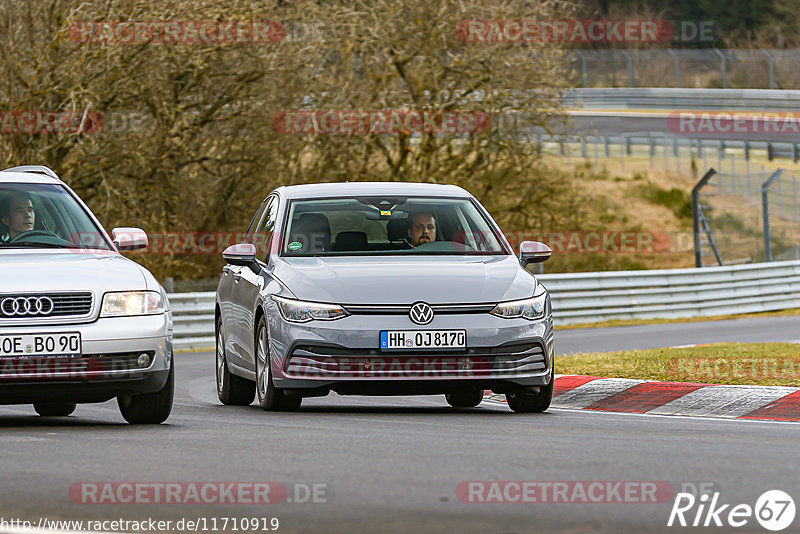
(421, 313)
(26, 306)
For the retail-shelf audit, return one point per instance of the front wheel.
(270, 398)
(149, 408)
(532, 402)
(464, 399)
(54, 409)
(232, 390)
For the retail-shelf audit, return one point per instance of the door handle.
(226, 270)
(237, 277)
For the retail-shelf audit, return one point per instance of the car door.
(250, 283)
(230, 307)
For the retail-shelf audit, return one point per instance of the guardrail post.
(771, 69)
(698, 257)
(765, 213)
(677, 68)
(608, 149)
(724, 68)
(630, 66)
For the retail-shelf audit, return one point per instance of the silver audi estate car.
(79, 322)
(381, 289)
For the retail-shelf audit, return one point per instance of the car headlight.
(532, 308)
(128, 303)
(298, 311)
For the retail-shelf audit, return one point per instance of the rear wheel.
(532, 402)
(465, 399)
(149, 408)
(269, 397)
(54, 409)
(232, 390)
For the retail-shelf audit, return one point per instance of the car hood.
(63, 270)
(405, 280)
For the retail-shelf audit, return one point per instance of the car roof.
(338, 189)
(29, 174)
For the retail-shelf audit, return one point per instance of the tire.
(54, 409)
(465, 399)
(149, 408)
(269, 397)
(532, 403)
(232, 390)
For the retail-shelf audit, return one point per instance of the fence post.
(724, 68)
(698, 257)
(677, 68)
(583, 67)
(765, 213)
(771, 69)
(630, 66)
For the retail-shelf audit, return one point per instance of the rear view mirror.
(128, 238)
(533, 252)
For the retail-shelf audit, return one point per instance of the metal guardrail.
(594, 297)
(685, 99)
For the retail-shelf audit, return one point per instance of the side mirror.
(126, 238)
(533, 252)
(242, 254)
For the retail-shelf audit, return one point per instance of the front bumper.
(107, 367)
(502, 355)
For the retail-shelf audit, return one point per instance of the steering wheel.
(33, 233)
(444, 246)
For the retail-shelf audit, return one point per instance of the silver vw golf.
(79, 322)
(381, 289)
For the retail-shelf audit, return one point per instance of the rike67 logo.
(774, 510)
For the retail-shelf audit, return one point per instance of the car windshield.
(45, 216)
(388, 225)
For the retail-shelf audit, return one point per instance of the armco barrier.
(593, 297)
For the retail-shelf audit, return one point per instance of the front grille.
(505, 361)
(35, 305)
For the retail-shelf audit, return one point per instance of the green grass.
(765, 364)
(677, 200)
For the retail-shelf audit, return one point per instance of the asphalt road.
(588, 122)
(761, 330)
(389, 464)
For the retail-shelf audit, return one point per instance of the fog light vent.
(144, 360)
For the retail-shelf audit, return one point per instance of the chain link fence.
(746, 217)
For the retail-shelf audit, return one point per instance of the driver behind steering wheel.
(16, 212)
(422, 229)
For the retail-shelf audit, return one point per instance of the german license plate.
(423, 339)
(40, 344)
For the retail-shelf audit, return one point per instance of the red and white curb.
(582, 392)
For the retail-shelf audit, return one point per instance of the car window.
(45, 216)
(248, 235)
(388, 225)
(263, 233)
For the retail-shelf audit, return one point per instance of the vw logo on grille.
(23, 306)
(421, 313)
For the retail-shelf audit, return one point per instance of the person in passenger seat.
(17, 214)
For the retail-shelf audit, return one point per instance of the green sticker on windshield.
(294, 245)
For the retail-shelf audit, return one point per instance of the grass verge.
(764, 364)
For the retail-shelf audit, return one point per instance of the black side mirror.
(533, 252)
